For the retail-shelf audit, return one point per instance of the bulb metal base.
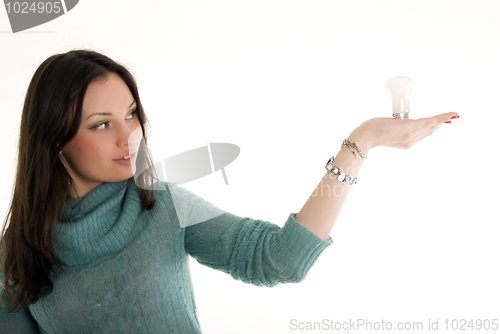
(401, 115)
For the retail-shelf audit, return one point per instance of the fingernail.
(455, 117)
(448, 122)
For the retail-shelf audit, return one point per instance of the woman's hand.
(397, 133)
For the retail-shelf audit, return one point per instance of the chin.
(120, 177)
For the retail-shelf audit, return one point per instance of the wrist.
(362, 139)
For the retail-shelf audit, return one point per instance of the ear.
(61, 158)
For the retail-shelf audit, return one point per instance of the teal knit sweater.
(127, 270)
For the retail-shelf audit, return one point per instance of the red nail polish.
(448, 122)
(455, 117)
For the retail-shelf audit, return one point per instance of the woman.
(90, 246)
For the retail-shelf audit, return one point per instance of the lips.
(126, 155)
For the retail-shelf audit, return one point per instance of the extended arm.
(322, 208)
(251, 250)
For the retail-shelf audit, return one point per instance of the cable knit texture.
(127, 270)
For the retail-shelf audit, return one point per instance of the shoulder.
(189, 207)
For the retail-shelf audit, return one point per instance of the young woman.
(85, 249)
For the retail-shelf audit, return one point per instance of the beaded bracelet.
(354, 149)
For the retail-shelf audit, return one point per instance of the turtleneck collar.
(100, 226)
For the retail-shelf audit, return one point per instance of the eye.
(133, 113)
(98, 126)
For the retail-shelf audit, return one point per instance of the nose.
(129, 136)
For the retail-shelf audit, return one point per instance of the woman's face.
(110, 129)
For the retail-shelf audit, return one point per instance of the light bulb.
(400, 89)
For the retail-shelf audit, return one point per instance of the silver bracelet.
(338, 173)
(354, 149)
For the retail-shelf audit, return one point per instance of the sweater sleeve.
(21, 322)
(253, 251)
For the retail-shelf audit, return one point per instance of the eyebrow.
(107, 113)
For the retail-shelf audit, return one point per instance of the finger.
(424, 123)
(440, 118)
(446, 117)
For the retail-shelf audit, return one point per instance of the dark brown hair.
(51, 118)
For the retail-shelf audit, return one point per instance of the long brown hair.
(51, 118)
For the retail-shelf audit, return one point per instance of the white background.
(287, 81)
